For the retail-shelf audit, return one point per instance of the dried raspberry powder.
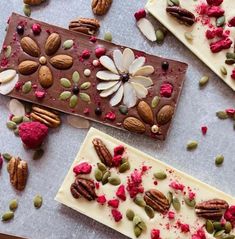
(177, 186)
(134, 183)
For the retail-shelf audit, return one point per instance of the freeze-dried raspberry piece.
(171, 215)
(233, 75)
(117, 160)
(217, 32)
(155, 234)
(121, 193)
(177, 186)
(101, 199)
(221, 45)
(140, 14)
(166, 90)
(215, 11)
(116, 215)
(184, 228)
(232, 22)
(82, 168)
(113, 203)
(119, 150)
(214, 2)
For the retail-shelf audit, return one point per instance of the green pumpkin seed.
(217, 226)
(160, 36)
(140, 201)
(7, 216)
(106, 177)
(203, 81)
(190, 203)
(17, 119)
(7, 156)
(27, 10)
(142, 226)
(209, 226)
(108, 36)
(11, 125)
(137, 231)
(125, 160)
(13, 205)
(228, 227)
(230, 61)
(27, 86)
(173, 2)
(223, 70)
(8, 52)
(191, 145)
(188, 36)
(73, 101)
(155, 101)
(130, 214)
(65, 95)
(76, 77)
(161, 175)
(98, 175)
(16, 131)
(228, 237)
(65, 82)
(38, 154)
(170, 197)
(230, 55)
(222, 115)
(85, 85)
(101, 167)
(124, 167)
(26, 119)
(68, 44)
(37, 201)
(114, 180)
(123, 109)
(218, 234)
(220, 21)
(149, 211)
(136, 220)
(176, 204)
(85, 97)
(219, 160)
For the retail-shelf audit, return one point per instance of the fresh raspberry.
(100, 51)
(82, 168)
(215, 11)
(101, 199)
(166, 90)
(140, 14)
(116, 215)
(121, 193)
(113, 203)
(155, 234)
(221, 45)
(119, 150)
(214, 2)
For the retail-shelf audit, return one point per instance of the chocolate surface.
(174, 75)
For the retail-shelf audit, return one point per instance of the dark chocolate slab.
(174, 75)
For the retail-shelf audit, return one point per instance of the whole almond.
(27, 67)
(30, 47)
(134, 125)
(45, 77)
(52, 44)
(100, 7)
(62, 62)
(165, 114)
(145, 112)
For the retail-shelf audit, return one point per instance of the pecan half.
(157, 200)
(83, 187)
(18, 172)
(211, 209)
(85, 25)
(185, 16)
(45, 116)
(103, 153)
(100, 7)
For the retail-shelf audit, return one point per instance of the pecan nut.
(83, 187)
(211, 209)
(43, 115)
(85, 25)
(18, 172)
(157, 200)
(103, 153)
(185, 16)
(100, 7)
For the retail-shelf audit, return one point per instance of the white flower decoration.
(126, 78)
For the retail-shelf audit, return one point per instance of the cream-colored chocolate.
(200, 45)
(137, 159)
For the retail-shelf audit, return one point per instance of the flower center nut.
(124, 77)
(76, 90)
(43, 60)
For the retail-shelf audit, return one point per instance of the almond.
(145, 112)
(30, 47)
(165, 114)
(134, 125)
(27, 67)
(52, 44)
(62, 62)
(45, 77)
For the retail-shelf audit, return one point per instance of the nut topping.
(102, 151)
(18, 172)
(157, 200)
(100, 7)
(83, 187)
(85, 25)
(211, 209)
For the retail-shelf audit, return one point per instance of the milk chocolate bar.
(81, 75)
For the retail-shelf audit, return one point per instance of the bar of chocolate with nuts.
(81, 75)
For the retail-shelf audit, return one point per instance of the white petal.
(117, 97)
(117, 57)
(106, 85)
(144, 81)
(144, 71)
(106, 93)
(107, 75)
(16, 108)
(127, 59)
(78, 122)
(7, 75)
(141, 91)
(130, 98)
(6, 88)
(147, 28)
(137, 63)
(108, 64)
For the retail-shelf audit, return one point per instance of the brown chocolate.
(56, 67)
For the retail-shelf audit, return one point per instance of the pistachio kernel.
(160, 36)
(108, 36)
